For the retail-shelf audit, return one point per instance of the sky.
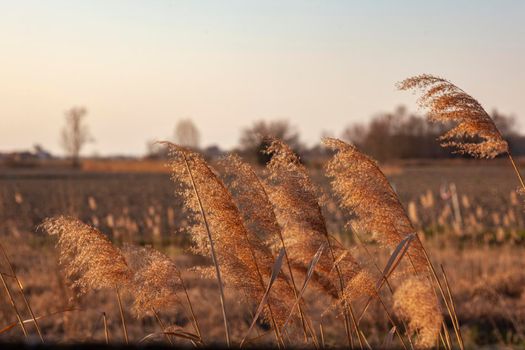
(140, 66)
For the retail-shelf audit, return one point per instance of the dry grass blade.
(13, 305)
(275, 274)
(387, 343)
(14, 324)
(21, 290)
(393, 261)
(453, 314)
(106, 331)
(176, 333)
(308, 277)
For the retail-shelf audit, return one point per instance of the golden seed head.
(89, 258)
(245, 261)
(296, 203)
(416, 302)
(474, 132)
(156, 280)
(364, 190)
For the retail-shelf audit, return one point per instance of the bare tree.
(253, 141)
(75, 134)
(187, 134)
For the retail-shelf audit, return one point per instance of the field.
(471, 221)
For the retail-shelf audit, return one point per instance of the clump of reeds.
(474, 133)
(415, 302)
(364, 190)
(296, 202)
(241, 257)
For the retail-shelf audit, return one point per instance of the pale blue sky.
(139, 66)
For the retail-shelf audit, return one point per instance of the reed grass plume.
(87, 255)
(474, 132)
(296, 203)
(414, 301)
(364, 190)
(156, 280)
(244, 260)
(251, 198)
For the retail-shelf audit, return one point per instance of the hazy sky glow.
(139, 66)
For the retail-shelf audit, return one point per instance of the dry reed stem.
(13, 305)
(122, 319)
(453, 307)
(106, 331)
(21, 290)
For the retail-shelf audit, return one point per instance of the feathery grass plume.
(250, 196)
(244, 260)
(156, 280)
(474, 133)
(87, 255)
(89, 258)
(414, 301)
(363, 189)
(296, 204)
(299, 214)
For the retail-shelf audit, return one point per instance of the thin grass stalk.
(212, 249)
(393, 261)
(281, 239)
(347, 307)
(360, 242)
(445, 340)
(161, 325)
(276, 269)
(516, 170)
(21, 289)
(450, 312)
(194, 319)
(122, 319)
(321, 330)
(278, 337)
(106, 331)
(455, 315)
(13, 304)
